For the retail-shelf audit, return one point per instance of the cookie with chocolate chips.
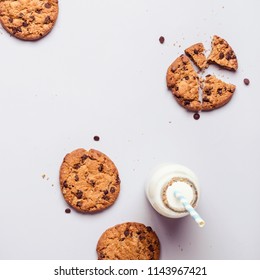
(184, 84)
(222, 54)
(196, 53)
(216, 93)
(28, 19)
(89, 180)
(128, 241)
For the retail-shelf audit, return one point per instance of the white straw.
(194, 214)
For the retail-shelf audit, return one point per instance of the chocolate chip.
(21, 15)
(32, 18)
(65, 184)
(141, 237)
(47, 20)
(105, 197)
(139, 232)
(11, 20)
(16, 29)
(112, 189)
(76, 178)
(92, 183)
(106, 192)
(208, 91)
(173, 69)
(84, 157)
(25, 24)
(38, 11)
(79, 194)
(149, 229)
(187, 78)
(207, 76)
(228, 56)
(246, 82)
(76, 166)
(196, 116)
(219, 90)
(101, 255)
(79, 203)
(186, 102)
(161, 39)
(176, 88)
(47, 5)
(196, 51)
(221, 55)
(118, 181)
(126, 232)
(151, 248)
(96, 138)
(100, 167)
(205, 99)
(67, 211)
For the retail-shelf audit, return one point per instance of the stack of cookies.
(185, 83)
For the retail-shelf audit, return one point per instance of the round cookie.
(89, 180)
(28, 19)
(128, 241)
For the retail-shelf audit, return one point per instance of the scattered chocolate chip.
(151, 248)
(76, 166)
(149, 229)
(67, 211)
(47, 5)
(25, 24)
(96, 138)
(100, 167)
(187, 78)
(196, 51)
(105, 192)
(47, 20)
(126, 232)
(76, 178)
(161, 39)
(196, 116)
(79, 194)
(221, 55)
(246, 82)
(112, 189)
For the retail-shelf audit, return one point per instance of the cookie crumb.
(161, 39)
(246, 81)
(96, 138)
(43, 176)
(67, 211)
(196, 116)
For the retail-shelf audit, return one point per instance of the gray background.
(101, 71)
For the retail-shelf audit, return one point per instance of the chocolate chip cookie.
(89, 180)
(183, 81)
(28, 19)
(196, 53)
(128, 241)
(222, 54)
(216, 93)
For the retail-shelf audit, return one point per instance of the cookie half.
(128, 241)
(196, 54)
(216, 93)
(89, 180)
(28, 19)
(222, 54)
(183, 81)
